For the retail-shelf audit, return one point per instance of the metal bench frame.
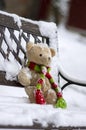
(69, 80)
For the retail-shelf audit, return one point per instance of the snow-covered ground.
(72, 52)
(15, 108)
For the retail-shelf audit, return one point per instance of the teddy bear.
(36, 78)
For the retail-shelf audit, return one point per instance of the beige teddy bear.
(36, 77)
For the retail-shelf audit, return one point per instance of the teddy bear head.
(39, 53)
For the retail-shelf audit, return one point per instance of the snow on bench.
(15, 110)
(15, 33)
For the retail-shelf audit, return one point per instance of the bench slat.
(8, 21)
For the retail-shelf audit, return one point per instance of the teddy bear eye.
(40, 55)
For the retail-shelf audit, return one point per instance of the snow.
(15, 108)
(43, 26)
(49, 30)
(75, 51)
(17, 20)
(11, 68)
(14, 101)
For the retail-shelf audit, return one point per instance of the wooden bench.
(29, 29)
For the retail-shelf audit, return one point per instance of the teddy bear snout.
(49, 58)
(46, 60)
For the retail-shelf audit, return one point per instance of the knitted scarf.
(45, 72)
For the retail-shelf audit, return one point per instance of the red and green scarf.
(45, 72)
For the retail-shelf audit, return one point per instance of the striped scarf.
(45, 72)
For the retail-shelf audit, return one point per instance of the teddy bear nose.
(49, 58)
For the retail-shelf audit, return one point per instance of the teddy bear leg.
(35, 96)
(30, 92)
(50, 97)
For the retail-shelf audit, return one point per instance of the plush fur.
(40, 54)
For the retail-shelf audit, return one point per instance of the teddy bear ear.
(29, 45)
(53, 52)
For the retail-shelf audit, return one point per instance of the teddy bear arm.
(30, 92)
(23, 77)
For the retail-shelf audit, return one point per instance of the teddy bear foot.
(39, 97)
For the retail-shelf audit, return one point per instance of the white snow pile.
(49, 30)
(15, 108)
(11, 67)
(74, 53)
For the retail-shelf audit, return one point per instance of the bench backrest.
(13, 40)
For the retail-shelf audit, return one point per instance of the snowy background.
(14, 104)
